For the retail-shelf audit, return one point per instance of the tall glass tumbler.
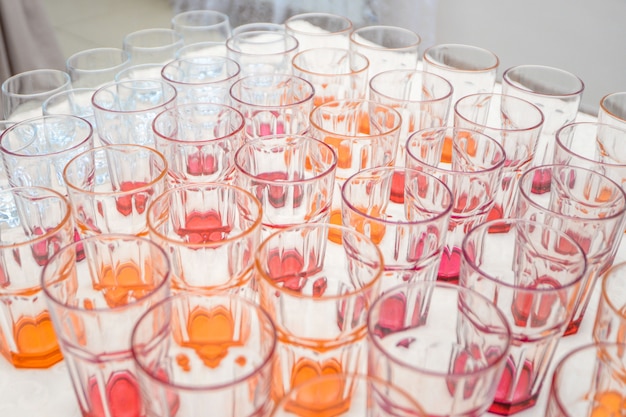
(410, 229)
(152, 46)
(319, 30)
(589, 381)
(124, 110)
(205, 354)
(42, 225)
(35, 151)
(199, 141)
(92, 68)
(557, 93)
(335, 73)
(444, 344)
(318, 294)
(386, 47)
(533, 273)
(516, 124)
(94, 302)
(205, 79)
(363, 133)
(610, 324)
(473, 177)
(273, 104)
(613, 109)
(210, 232)
(262, 52)
(586, 205)
(110, 188)
(469, 69)
(292, 176)
(202, 26)
(23, 93)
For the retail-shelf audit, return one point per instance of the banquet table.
(49, 393)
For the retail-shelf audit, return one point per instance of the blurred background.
(587, 38)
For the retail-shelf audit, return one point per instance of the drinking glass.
(23, 93)
(533, 273)
(110, 188)
(613, 109)
(335, 73)
(198, 80)
(124, 110)
(36, 150)
(262, 52)
(202, 49)
(363, 133)
(589, 381)
(423, 100)
(593, 145)
(292, 176)
(516, 124)
(196, 353)
(408, 226)
(40, 226)
(6, 211)
(610, 324)
(152, 46)
(557, 93)
(319, 30)
(587, 206)
(472, 176)
(140, 72)
(94, 302)
(258, 26)
(199, 141)
(318, 294)
(202, 26)
(76, 101)
(386, 47)
(273, 104)
(444, 344)
(92, 68)
(210, 232)
(347, 396)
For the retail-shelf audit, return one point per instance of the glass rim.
(563, 361)
(348, 25)
(363, 290)
(308, 97)
(387, 28)
(499, 281)
(426, 57)
(437, 77)
(176, 19)
(360, 70)
(153, 223)
(531, 172)
(55, 72)
(200, 61)
(49, 192)
(572, 126)
(356, 101)
(286, 36)
(121, 147)
(576, 91)
(174, 112)
(124, 55)
(439, 215)
(16, 153)
(502, 128)
(606, 294)
(435, 168)
(265, 321)
(106, 88)
(47, 280)
(447, 287)
(130, 37)
(605, 109)
(330, 169)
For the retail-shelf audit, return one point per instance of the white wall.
(585, 37)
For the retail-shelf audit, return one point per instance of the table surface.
(49, 393)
